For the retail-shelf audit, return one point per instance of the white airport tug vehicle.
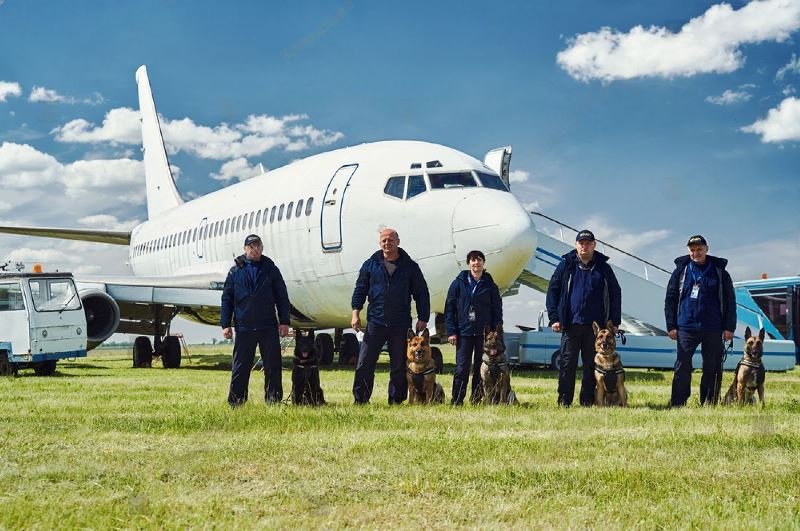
(41, 321)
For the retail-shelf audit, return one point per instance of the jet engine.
(102, 316)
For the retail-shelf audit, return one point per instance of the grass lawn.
(101, 445)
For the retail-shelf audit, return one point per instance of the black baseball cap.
(252, 239)
(696, 240)
(584, 235)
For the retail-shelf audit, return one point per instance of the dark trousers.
(574, 339)
(374, 338)
(244, 351)
(469, 351)
(712, 350)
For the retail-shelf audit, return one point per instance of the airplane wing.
(85, 235)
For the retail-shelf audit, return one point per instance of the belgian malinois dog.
(749, 375)
(608, 372)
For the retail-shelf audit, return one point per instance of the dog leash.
(621, 336)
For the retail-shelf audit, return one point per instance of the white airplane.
(319, 219)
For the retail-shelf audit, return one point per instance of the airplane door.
(332, 203)
(200, 242)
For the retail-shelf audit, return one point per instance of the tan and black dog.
(749, 376)
(495, 373)
(421, 371)
(608, 371)
(306, 389)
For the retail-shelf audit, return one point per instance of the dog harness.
(759, 367)
(418, 378)
(495, 366)
(610, 376)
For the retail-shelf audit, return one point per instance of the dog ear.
(410, 334)
(747, 333)
(762, 334)
(595, 327)
(426, 334)
(499, 329)
(486, 329)
(610, 326)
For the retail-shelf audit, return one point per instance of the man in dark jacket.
(253, 290)
(389, 278)
(583, 289)
(473, 302)
(700, 309)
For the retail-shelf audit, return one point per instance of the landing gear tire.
(6, 367)
(436, 354)
(554, 360)
(348, 349)
(172, 353)
(324, 345)
(46, 368)
(142, 352)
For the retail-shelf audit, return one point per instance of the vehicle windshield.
(489, 180)
(54, 294)
(461, 179)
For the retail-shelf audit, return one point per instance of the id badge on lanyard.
(471, 314)
(695, 291)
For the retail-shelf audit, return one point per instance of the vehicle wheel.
(438, 359)
(348, 349)
(324, 346)
(172, 353)
(142, 352)
(554, 360)
(46, 368)
(6, 367)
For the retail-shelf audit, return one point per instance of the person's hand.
(616, 330)
(556, 327)
(673, 334)
(727, 335)
(283, 330)
(452, 339)
(355, 322)
(421, 325)
(227, 333)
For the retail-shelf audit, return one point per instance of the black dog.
(306, 389)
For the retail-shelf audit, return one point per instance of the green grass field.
(101, 445)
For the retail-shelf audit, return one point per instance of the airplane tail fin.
(162, 194)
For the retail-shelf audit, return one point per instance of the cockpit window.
(489, 180)
(416, 186)
(394, 187)
(462, 179)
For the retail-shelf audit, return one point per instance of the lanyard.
(475, 287)
(695, 277)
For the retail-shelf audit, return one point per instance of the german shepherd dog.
(495, 374)
(608, 372)
(749, 375)
(306, 388)
(421, 371)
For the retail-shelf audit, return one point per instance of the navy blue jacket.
(680, 285)
(560, 289)
(390, 297)
(486, 303)
(252, 306)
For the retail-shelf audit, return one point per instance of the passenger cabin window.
(272, 214)
(250, 225)
(394, 187)
(416, 186)
(489, 180)
(258, 218)
(299, 209)
(289, 209)
(11, 297)
(280, 213)
(462, 179)
(309, 204)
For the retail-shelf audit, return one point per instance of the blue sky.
(646, 121)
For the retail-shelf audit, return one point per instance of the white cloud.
(788, 90)
(120, 126)
(9, 88)
(776, 258)
(708, 43)
(729, 97)
(41, 94)
(792, 67)
(781, 124)
(518, 176)
(236, 168)
(107, 222)
(4, 207)
(22, 166)
(257, 135)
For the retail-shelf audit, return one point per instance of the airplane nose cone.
(500, 228)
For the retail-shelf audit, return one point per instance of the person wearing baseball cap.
(582, 290)
(253, 291)
(700, 309)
